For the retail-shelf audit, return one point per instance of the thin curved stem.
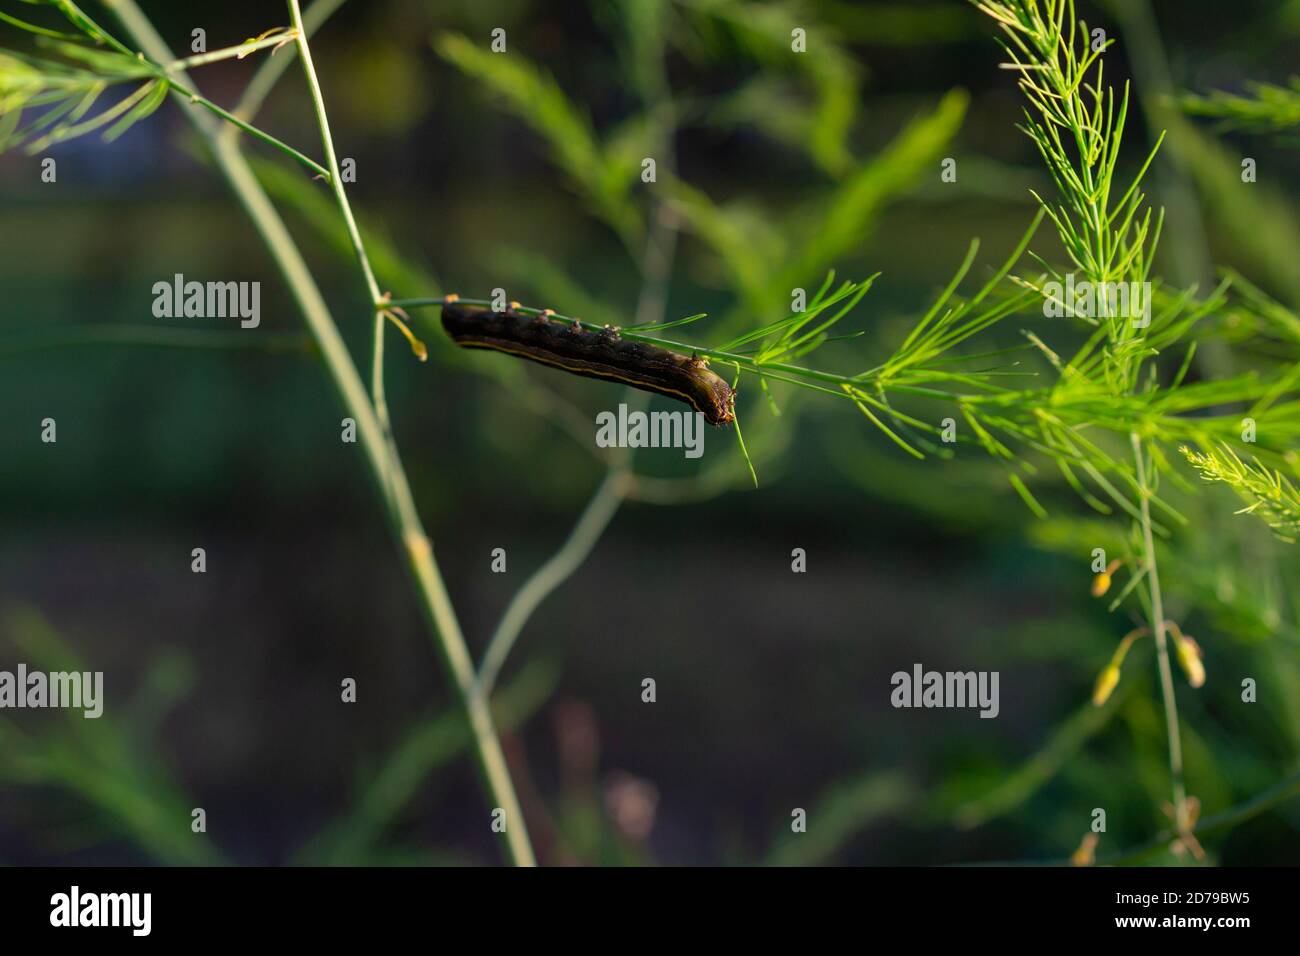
(419, 547)
(331, 157)
(174, 75)
(656, 268)
(253, 131)
(272, 68)
(226, 53)
(377, 393)
(1159, 629)
(617, 485)
(384, 466)
(602, 507)
(777, 371)
(78, 18)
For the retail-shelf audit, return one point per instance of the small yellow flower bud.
(1189, 658)
(1086, 854)
(1107, 681)
(1101, 583)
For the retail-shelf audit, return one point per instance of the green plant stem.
(1248, 809)
(656, 263)
(1158, 628)
(34, 29)
(331, 157)
(773, 370)
(418, 545)
(225, 53)
(272, 68)
(1033, 774)
(385, 468)
(86, 25)
(1188, 235)
(426, 746)
(586, 532)
(619, 481)
(251, 130)
(99, 34)
(377, 394)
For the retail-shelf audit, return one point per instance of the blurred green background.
(773, 688)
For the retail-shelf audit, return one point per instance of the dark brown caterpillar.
(594, 353)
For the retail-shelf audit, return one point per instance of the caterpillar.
(593, 353)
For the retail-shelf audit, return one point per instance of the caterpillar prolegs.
(594, 353)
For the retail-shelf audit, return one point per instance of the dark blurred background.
(773, 688)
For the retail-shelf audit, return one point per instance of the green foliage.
(64, 94)
(766, 263)
(844, 811)
(912, 24)
(1259, 220)
(763, 33)
(1104, 410)
(393, 267)
(102, 762)
(838, 224)
(1022, 783)
(604, 171)
(355, 837)
(756, 255)
(1270, 495)
(1265, 108)
(917, 368)
(1077, 126)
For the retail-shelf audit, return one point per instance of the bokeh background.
(773, 688)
